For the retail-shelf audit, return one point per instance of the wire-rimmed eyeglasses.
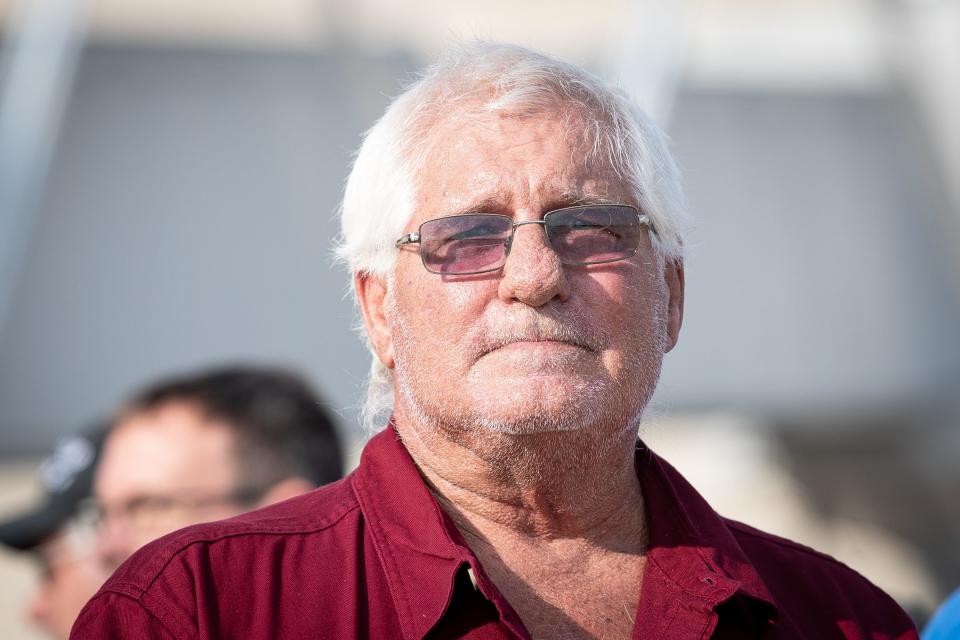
(474, 243)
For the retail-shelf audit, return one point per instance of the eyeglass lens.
(476, 243)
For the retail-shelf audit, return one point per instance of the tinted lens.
(592, 234)
(471, 243)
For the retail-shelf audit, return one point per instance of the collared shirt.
(374, 556)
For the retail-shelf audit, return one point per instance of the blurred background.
(170, 173)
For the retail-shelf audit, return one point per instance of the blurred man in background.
(60, 538)
(209, 446)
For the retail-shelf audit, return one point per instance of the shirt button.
(708, 580)
(473, 578)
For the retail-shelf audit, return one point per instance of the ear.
(371, 294)
(674, 278)
(284, 490)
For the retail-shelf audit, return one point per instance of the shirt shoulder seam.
(746, 529)
(137, 596)
(801, 548)
(253, 530)
(893, 607)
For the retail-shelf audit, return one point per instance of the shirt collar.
(691, 549)
(410, 533)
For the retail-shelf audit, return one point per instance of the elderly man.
(514, 230)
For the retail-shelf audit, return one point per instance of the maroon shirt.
(374, 556)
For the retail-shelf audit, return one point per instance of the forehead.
(501, 163)
(162, 450)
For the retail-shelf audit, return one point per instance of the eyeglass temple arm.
(410, 238)
(645, 219)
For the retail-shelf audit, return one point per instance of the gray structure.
(187, 219)
(822, 275)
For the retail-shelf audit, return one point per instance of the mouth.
(536, 334)
(538, 342)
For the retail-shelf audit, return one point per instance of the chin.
(528, 403)
(544, 405)
(530, 424)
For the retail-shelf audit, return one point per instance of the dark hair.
(281, 429)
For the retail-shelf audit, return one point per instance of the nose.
(533, 273)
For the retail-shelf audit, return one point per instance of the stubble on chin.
(458, 413)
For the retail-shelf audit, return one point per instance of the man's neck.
(541, 487)
(563, 536)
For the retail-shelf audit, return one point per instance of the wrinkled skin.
(539, 346)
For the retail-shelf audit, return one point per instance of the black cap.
(67, 478)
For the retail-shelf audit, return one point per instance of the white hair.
(476, 80)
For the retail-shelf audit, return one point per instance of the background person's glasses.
(480, 242)
(147, 512)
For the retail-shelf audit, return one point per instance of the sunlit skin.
(70, 577)
(517, 392)
(176, 452)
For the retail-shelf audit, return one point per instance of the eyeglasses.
(145, 512)
(480, 242)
